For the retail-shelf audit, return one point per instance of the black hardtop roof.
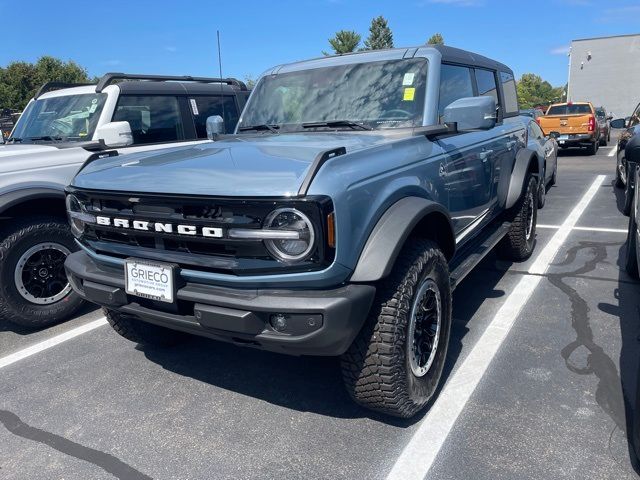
(457, 55)
(155, 84)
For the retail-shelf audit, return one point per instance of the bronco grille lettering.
(159, 227)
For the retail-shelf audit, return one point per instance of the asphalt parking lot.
(552, 349)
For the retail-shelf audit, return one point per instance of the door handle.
(485, 154)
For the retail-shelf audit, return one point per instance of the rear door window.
(204, 107)
(455, 83)
(510, 95)
(153, 119)
(486, 81)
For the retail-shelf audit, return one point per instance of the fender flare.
(390, 234)
(15, 197)
(518, 175)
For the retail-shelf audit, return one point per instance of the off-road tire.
(17, 239)
(619, 183)
(631, 259)
(376, 367)
(515, 246)
(542, 192)
(628, 196)
(593, 148)
(139, 331)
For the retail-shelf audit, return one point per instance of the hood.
(24, 149)
(271, 165)
(17, 158)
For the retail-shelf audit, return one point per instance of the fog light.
(279, 322)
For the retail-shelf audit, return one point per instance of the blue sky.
(178, 37)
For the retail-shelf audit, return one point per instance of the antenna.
(221, 87)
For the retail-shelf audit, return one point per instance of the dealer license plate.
(563, 137)
(150, 280)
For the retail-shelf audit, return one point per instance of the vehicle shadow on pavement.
(306, 384)
(8, 326)
(628, 312)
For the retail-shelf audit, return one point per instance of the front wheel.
(542, 192)
(395, 363)
(34, 290)
(628, 196)
(518, 244)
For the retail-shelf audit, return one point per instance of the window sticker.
(408, 79)
(194, 107)
(409, 94)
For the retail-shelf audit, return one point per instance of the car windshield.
(600, 113)
(573, 109)
(383, 94)
(65, 118)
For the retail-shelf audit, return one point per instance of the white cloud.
(563, 50)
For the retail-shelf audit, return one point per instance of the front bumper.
(319, 322)
(577, 140)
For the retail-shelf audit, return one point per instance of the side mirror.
(472, 113)
(618, 123)
(115, 134)
(555, 135)
(215, 126)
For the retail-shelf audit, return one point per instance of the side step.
(470, 255)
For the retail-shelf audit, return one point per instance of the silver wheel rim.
(530, 206)
(425, 323)
(39, 273)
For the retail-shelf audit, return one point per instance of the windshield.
(600, 113)
(66, 118)
(573, 109)
(384, 94)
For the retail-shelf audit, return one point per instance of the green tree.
(250, 81)
(380, 35)
(533, 91)
(19, 81)
(436, 39)
(345, 41)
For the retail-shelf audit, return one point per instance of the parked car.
(8, 119)
(630, 127)
(604, 119)
(546, 147)
(63, 127)
(336, 221)
(575, 122)
(534, 113)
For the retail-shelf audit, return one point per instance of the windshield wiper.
(45, 138)
(272, 128)
(337, 124)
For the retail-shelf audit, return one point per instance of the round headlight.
(77, 215)
(291, 220)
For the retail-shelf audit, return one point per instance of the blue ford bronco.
(356, 193)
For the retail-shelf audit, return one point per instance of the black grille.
(224, 255)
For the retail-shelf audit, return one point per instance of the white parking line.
(612, 152)
(585, 229)
(418, 456)
(51, 342)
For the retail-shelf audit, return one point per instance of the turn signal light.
(331, 230)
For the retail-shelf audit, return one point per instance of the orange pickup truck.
(575, 123)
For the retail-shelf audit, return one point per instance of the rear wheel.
(631, 260)
(619, 183)
(593, 148)
(395, 363)
(518, 244)
(139, 331)
(628, 196)
(603, 141)
(34, 290)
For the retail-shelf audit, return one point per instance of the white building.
(606, 72)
